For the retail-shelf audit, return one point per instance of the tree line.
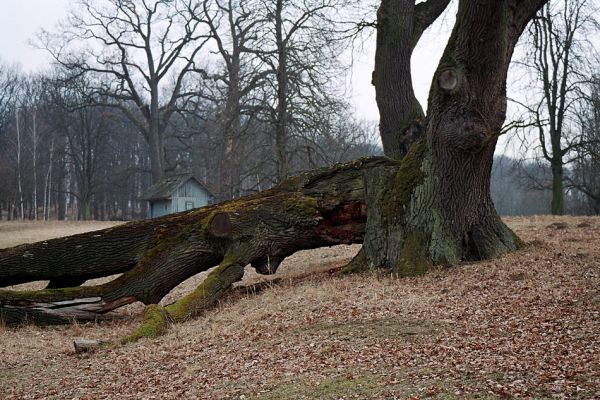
(240, 93)
(246, 93)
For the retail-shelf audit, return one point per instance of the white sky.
(424, 62)
(19, 21)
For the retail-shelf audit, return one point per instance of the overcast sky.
(21, 19)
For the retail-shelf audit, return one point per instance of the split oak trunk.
(431, 208)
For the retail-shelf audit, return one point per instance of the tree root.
(157, 318)
(357, 264)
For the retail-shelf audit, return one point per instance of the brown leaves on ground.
(526, 325)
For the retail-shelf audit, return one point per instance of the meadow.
(525, 325)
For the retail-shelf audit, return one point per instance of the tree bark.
(467, 108)
(400, 24)
(558, 197)
(156, 147)
(437, 208)
(230, 125)
(321, 208)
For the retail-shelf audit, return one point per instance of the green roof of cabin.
(164, 188)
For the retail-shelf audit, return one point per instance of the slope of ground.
(525, 325)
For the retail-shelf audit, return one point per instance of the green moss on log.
(305, 204)
(209, 291)
(156, 322)
(157, 318)
(49, 295)
(167, 238)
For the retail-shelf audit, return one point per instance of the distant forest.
(524, 188)
(245, 94)
(64, 157)
(75, 162)
(68, 158)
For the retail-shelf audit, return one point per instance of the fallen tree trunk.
(321, 208)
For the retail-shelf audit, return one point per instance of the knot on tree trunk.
(449, 80)
(220, 225)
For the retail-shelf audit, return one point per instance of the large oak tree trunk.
(437, 208)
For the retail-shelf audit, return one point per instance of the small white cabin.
(176, 193)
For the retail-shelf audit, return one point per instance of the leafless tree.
(235, 27)
(304, 56)
(585, 174)
(558, 56)
(85, 128)
(139, 53)
(8, 89)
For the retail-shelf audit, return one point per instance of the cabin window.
(189, 205)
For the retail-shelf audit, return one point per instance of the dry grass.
(13, 233)
(524, 325)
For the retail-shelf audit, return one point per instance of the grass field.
(526, 325)
(14, 233)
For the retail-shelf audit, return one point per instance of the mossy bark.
(436, 209)
(157, 318)
(400, 25)
(321, 208)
